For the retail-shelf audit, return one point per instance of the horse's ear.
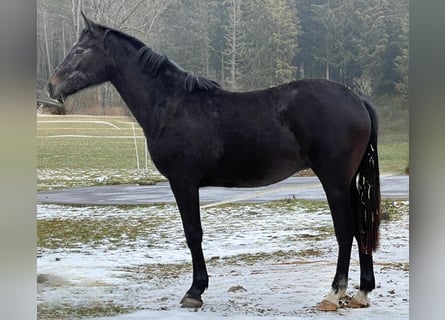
(86, 20)
(91, 26)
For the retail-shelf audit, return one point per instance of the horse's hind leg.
(367, 280)
(336, 184)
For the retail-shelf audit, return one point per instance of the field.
(89, 142)
(88, 150)
(271, 260)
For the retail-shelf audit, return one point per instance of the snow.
(283, 255)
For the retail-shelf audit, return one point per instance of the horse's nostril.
(49, 89)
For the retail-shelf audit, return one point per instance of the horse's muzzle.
(51, 90)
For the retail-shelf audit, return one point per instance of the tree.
(272, 29)
(58, 26)
(53, 36)
(352, 39)
(369, 42)
(284, 32)
(401, 62)
(189, 35)
(336, 32)
(396, 24)
(309, 40)
(235, 44)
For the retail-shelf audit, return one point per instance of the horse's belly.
(255, 172)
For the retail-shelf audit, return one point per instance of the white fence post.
(135, 145)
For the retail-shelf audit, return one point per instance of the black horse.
(201, 135)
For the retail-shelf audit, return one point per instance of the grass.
(394, 157)
(75, 151)
(94, 143)
(393, 136)
(78, 150)
(394, 145)
(64, 233)
(58, 312)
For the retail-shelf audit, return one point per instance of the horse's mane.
(151, 61)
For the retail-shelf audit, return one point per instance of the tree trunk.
(48, 56)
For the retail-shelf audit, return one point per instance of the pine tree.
(272, 29)
(285, 29)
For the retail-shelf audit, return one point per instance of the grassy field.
(75, 151)
(89, 142)
(80, 150)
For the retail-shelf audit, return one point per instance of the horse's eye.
(79, 50)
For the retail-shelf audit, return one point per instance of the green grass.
(393, 136)
(89, 145)
(393, 157)
(74, 151)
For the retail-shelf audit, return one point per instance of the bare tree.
(76, 6)
(235, 43)
(45, 33)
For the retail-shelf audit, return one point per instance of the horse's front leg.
(187, 198)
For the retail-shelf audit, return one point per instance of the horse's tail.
(368, 187)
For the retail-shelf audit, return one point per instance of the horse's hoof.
(326, 305)
(190, 302)
(359, 300)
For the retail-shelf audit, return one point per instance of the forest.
(244, 45)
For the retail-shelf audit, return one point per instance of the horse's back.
(302, 115)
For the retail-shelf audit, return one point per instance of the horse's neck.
(138, 90)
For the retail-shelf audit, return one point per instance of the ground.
(273, 260)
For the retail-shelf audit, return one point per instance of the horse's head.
(86, 64)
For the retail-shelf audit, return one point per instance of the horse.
(199, 134)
